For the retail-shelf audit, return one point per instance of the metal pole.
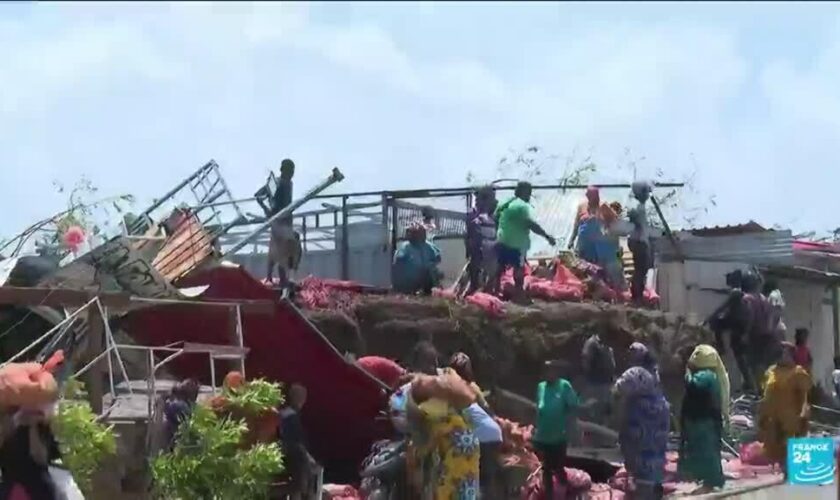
(212, 372)
(667, 228)
(345, 244)
(109, 335)
(336, 176)
(175, 190)
(240, 338)
(151, 389)
(50, 332)
(108, 345)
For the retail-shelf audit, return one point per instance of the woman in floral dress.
(644, 418)
(455, 448)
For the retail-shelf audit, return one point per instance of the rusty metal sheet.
(187, 248)
(115, 266)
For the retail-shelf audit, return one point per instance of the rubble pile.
(509, 351)
(571, 279)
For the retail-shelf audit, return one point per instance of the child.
(556, 404)
(802, 355)
(835, 378)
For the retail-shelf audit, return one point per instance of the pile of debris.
(508, 352)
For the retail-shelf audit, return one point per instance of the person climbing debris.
(777, 304)
(731, 318)
(639, 240)
(481, 242)
(516, 222)
(763, 346)
(285, 248)
(588, 228)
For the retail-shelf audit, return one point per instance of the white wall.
(805, 308)
(681, 291)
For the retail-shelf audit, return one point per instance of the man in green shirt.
(513, 239)
(556, 405)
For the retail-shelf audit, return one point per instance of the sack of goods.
(447, 387)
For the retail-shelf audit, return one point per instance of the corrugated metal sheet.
(768, 247)
(802, 273)
(749, 227)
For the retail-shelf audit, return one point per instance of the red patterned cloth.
(384, 369)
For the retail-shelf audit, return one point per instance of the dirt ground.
(509, 352)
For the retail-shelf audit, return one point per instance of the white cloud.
(215, 77)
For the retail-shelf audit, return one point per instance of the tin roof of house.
(731, 230)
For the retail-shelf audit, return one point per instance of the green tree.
(681, 206)
(208, 461)
(84, 442)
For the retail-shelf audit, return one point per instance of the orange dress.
(785, 393)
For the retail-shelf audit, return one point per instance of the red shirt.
(802, 356)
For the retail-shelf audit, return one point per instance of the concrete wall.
(808, 305)
(687, 289)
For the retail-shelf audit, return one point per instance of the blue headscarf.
(640, 355)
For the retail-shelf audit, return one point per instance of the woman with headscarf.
(445, 437)
(644, 417)
(704, 416)
(488, 432)
(609, 247)
(784, 411)
(587, 229)
(415, 267)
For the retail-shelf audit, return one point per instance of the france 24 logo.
(810, 461)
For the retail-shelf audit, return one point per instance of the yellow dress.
(785, 392)
(456, 445)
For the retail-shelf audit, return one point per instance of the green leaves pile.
(208, 462)
(85, 443)
(256, 396)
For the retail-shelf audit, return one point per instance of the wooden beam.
(65, 297)
(96, 345)
(58, 297)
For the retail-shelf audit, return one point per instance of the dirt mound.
(509, 352)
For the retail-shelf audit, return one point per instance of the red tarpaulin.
(340, 414)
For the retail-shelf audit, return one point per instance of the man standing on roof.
(639, 240)
(513, 239)
(285, 249)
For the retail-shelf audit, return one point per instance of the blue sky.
(399, 95)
